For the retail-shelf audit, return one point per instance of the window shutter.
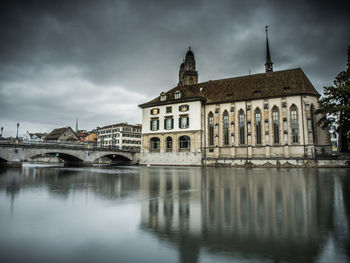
(179, 108)
(151, 111)
(172, 123)
(188, 121)
(157, 124)
(180, 123)
(164, 124)
(150, 125)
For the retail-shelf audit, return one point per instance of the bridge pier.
(15, 164)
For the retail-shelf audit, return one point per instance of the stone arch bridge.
(13, 154)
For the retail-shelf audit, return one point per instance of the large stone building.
(120, 136)
(265, 117)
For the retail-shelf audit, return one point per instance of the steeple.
(188, 74)
(268, 64)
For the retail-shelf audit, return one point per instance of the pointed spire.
(268, 64)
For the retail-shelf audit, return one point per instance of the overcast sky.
(97, 60)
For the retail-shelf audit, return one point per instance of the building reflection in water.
(283, 213)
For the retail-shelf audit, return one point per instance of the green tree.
(336, 101)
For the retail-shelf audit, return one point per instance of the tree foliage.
(336, 102)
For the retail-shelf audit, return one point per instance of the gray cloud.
(97, 60)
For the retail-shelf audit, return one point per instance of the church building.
(265, 118)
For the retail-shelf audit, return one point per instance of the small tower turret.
(188, 74)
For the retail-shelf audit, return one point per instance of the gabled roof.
(56, 133)
(258, 86)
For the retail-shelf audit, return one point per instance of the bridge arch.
(114, 157)
(66, 157)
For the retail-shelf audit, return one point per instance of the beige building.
(120, 136)
(264, 117)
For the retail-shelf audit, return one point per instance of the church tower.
(188, 74)
(269, 63)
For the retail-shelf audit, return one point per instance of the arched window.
(294, 123)
(312, 111)
(226, 128)
(155, 144)
(276, 129)
(241, 127)
(184, 142)
(258, 126)
(211, 128)
(169, 144)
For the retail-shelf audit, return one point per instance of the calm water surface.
(161, 214)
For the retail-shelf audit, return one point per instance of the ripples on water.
(173, 214)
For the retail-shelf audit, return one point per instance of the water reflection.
(278, 214)
(204, 214)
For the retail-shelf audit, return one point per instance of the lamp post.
(17, 130)
(2, 128)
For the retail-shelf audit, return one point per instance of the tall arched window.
(184, 143)
(276, 129)
(169, 144)
(226, 128)
(211, 128)
(155, 144)
(241, 127)
(258, 126)
(294, 123)
(312, 110)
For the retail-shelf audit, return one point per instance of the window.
(154, 124)
(294, 123)
(184, 142)
(155, 144)
(154, 111)
(168, 123)
(184, 122)
(241, 127)
(211, 128)
(168, 109)
(177, 94)
(184, 108)
(275, 119)
(169, 144)
(258, 126)
(226, 128)
(162, 96)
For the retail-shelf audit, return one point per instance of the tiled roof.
(56, 133)
(258, 86)
(120, 125)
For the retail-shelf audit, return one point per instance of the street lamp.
(17, 130)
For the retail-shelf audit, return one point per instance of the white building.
(120, 136)
(262, 116)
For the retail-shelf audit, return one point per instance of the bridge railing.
(66, 145)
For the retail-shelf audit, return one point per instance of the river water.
(174, 214)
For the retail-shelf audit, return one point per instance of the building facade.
(120, 136)
(65, 134)
(262, 116)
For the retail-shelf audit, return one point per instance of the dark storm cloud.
(97, 60)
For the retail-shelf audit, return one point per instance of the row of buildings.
(118, 136)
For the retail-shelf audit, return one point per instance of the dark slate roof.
(258, 86)
(56, 133)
